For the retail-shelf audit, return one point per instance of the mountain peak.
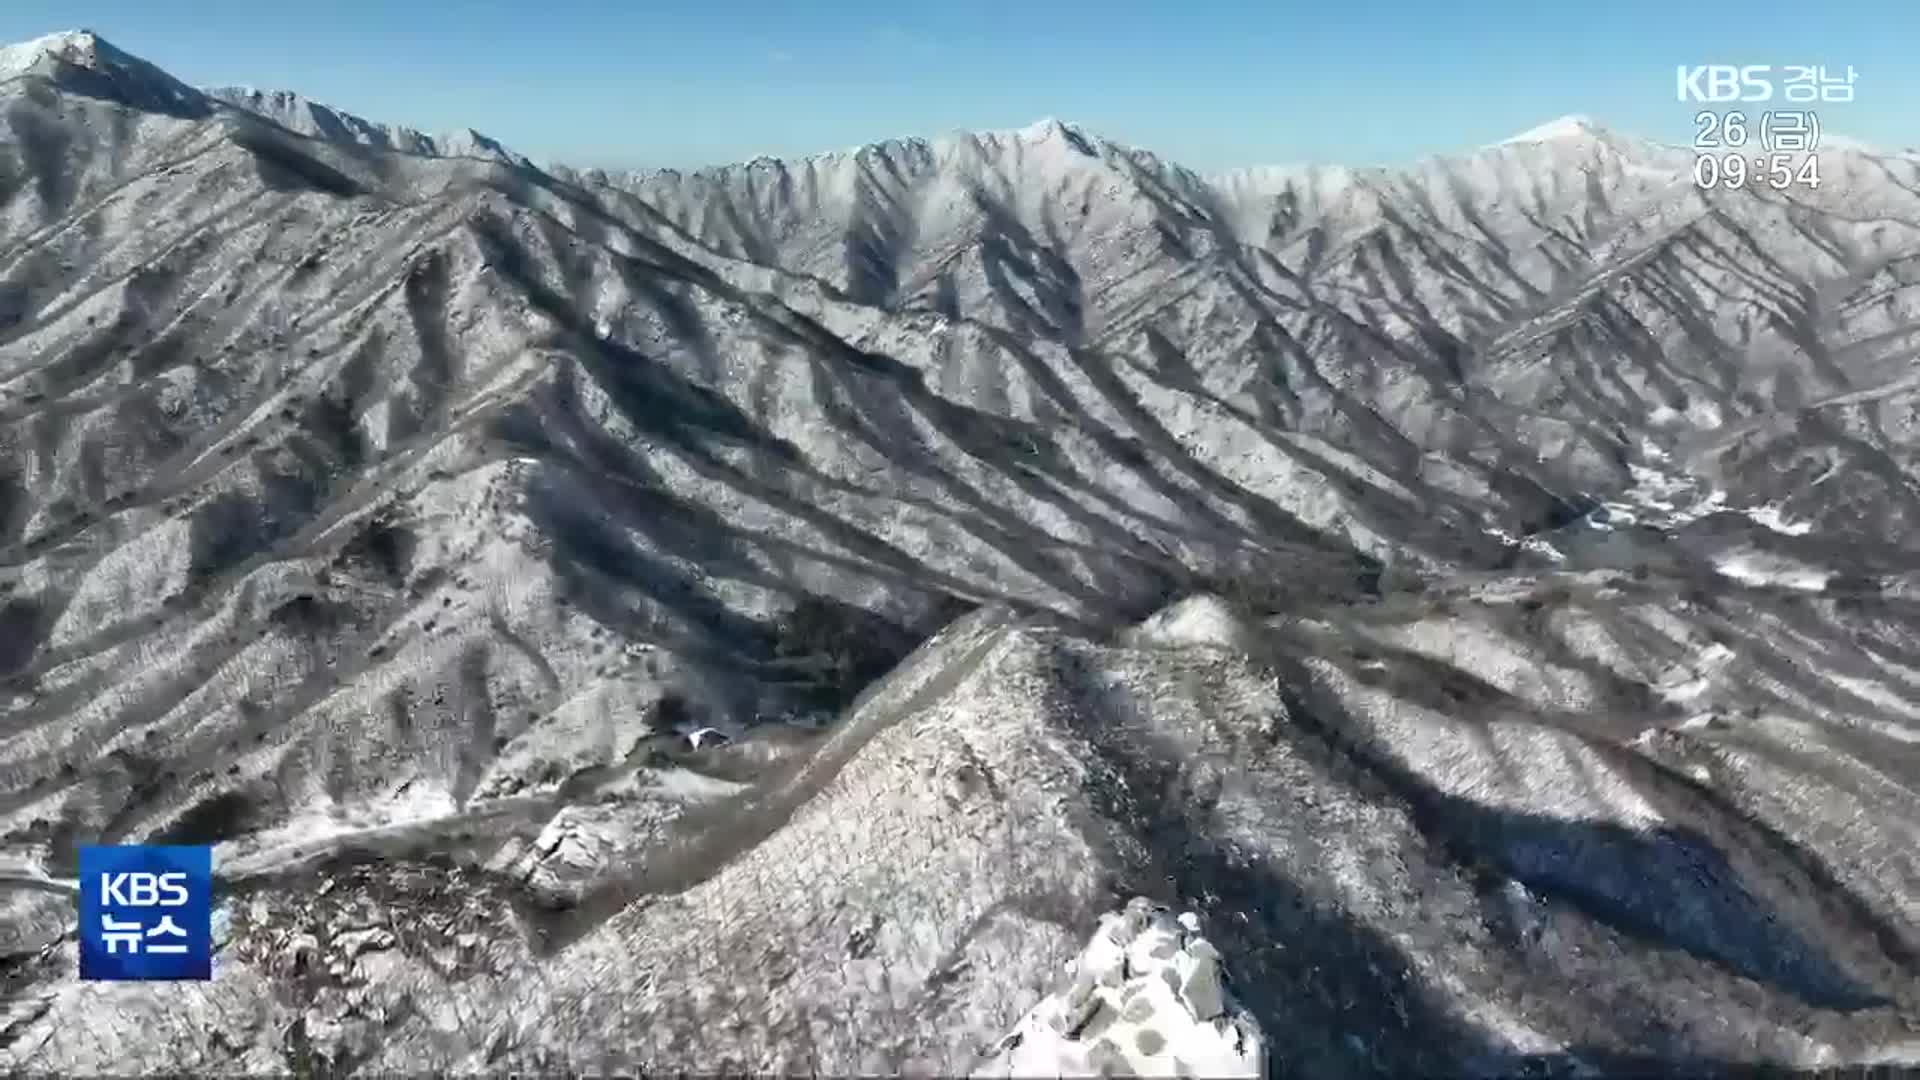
(81, 48)
(91, 64)
(1047, 128)
(1566, 127)
(1053, 132)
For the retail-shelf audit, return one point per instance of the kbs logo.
(143, 890)
(1721, 83)
(1725, 82)
(146, 912)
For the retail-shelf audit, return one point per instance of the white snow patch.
(1704, 414)
(1197, 620)
(707, 736)
(1534, 544)
(1664, 499)
(1753, 569)
(1684, 691)
(1543, 549)
(1771, 517)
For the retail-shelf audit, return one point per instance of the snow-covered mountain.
(1481, 593)
(317, 121)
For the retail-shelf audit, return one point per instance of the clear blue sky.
(1210, 84)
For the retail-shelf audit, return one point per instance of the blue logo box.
(146, 912)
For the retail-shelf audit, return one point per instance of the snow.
(317, 120)
(75, 46)
(1665, 499)
(24, 867)
(318, 825)
(1533, 544)
(1755, 569)
(705, 736)
(1877, 692)
(1540, 547)
(1686, 691)
(84, 48)
(1198, 620)
(1688, 681)
(1702, 413)
(1659, 498)
(1566, 127)
(1145, 998)
(1044, 129)
(1771, 517)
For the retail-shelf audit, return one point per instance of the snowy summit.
(81, 48)
(1566, 127)
(140, 83)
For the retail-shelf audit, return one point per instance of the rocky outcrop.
(1147, 997)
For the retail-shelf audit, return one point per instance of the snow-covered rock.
(1197, 620)
(1146, 997)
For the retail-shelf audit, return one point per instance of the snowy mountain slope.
(82, 61)
(1390, 889)
(362, 493)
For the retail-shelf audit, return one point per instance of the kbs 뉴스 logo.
(146, 912)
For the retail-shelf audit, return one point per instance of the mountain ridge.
(317, 119)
